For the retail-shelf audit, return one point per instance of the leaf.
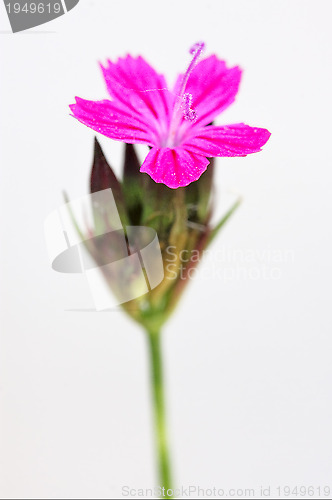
(73, 220)
(223, 220)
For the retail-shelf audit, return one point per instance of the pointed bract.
(103, 177)
(132, 185)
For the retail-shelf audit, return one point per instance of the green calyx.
(181, 218)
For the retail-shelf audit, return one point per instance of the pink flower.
(175, 124)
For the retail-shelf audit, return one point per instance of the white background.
(247, 360)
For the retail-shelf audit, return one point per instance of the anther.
(188, 113)
(197, 48)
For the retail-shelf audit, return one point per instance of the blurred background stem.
(154, 339)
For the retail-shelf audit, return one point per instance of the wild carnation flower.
(176, 123)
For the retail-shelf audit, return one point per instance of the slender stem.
(159, 410)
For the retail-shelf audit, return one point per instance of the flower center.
(183, 102)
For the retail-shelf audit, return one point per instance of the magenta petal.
(213, 87)
(110, 119)
(133, 82)
(174, 167)
(229, 140)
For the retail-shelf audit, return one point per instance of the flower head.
(176, 124)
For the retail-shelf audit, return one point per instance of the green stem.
(154, 338)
